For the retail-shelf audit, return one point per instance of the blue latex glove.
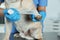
(15, 16)
(43, 14)
(34, 18)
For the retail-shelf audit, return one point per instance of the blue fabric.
(11, 36)
(13, 31)
(35, 2)
(12, 17)
(40, 2)
(1, 1)
(13, 28)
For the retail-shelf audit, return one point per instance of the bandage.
(10, 11)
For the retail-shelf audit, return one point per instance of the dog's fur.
(24, 8)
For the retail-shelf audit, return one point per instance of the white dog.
(23, 26)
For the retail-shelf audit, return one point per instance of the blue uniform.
(40, 2)
(1, 1)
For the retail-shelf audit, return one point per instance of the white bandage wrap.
(10, 11)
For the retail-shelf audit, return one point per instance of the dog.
(27, 28)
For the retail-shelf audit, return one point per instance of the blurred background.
(51, 24)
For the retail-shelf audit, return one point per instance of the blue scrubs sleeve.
(35, 2)
(14, 30)
(1, 1)
(42, 2)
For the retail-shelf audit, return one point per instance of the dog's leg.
(8, 30)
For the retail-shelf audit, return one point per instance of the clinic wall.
(53, 15)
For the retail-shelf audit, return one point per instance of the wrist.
(42, 13)
(41, 8)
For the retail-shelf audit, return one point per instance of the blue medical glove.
(34, 18)
(15, 16)
(43, 14)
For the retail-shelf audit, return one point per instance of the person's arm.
(42, 5)
(1, 12)
(1, 9)
(42, 8)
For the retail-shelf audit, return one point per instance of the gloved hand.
(43, 14)
(11, 14)
(35, 18)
